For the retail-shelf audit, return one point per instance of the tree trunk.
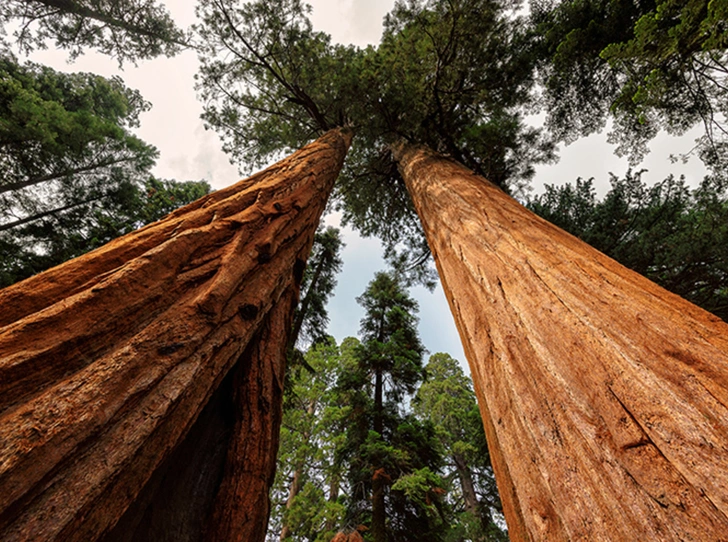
(108, 359)
(334, 488)
(292, 492)
(297, 482)
(33, 218)
(466, 483)
(242, 506)
(59, 174)
(303, 309)
(76, 8)
(379, 515)
(604, 397)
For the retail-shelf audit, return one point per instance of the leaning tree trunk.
(604, 397)
(116, 389)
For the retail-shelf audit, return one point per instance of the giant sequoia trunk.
(604, 397)
(141, 382)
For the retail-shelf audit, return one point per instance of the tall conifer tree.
(384, 443)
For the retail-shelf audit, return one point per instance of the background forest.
(379, 437)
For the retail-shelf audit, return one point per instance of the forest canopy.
(378, 438)
(460, 77)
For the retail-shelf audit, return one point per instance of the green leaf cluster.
(446, 400)
(319, 280)
(655, 65)
(450, 74)
(312, 434)
(56, 237)
(385, 442)
(72, 175)
(268, 81)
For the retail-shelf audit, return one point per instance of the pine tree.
(309, 506)
(72, 175)
(385, 445)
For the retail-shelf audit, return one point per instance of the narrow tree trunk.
(107, 360)
(58, 174)
(292, 492)
(303, 308)
(74, 7)
(466, 483)
(604, 397)
(379, 515)
(33, 218)
(334, 488)
(297, 482)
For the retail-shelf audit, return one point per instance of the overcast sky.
(188, 152)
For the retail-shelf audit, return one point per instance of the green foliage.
(331, 454)
(672, 235)
(655, 65)
(383, 442)
(422, 487)
(64, 138)
(319, 280)
(312, 434)
(269, 82)
(128, 30)
(446, 400)
(453, 75)
(72, 175)
(390, 344)
(450, 74)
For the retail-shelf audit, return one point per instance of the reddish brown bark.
(604, 397)
(351, 537)
(241, 509)
(379, 512)
(293, 491)
(107, 361)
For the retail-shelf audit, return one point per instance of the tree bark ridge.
(604, 397)
(107, 360)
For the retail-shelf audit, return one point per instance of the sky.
(189, 152)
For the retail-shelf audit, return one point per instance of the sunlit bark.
(604, 397)
(107, 361)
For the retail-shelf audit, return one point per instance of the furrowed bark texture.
(604, 397)
(242, 506)
(107, 360)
